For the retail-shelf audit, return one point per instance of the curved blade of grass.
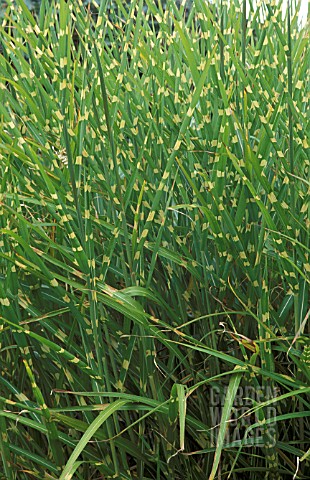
(70, 466)
(228, 405)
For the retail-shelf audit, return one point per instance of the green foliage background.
(154, 242)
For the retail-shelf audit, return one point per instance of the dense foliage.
(154, 241)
